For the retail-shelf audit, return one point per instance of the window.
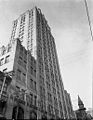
(31, 70)
(60, 105)
(17, 89)
(3, 52)
(48, 86)
(25, 64)
(22, 94)
(55, 101)
(42, 80)
(24, 77)
(59, 94)
(5, 70)
(19, 74)
(31, 99)
(54, 90)
(53, 82)
(21, 51)
(35, 99)
(31, 83)
(41, 93)
(34, 85)
(34, 73)
(56, 112)
(2, 61)
(20, 57)
(49, 97)
(7, 59)
(9, 48)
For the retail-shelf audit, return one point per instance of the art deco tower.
(35, 35)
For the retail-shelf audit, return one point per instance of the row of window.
(15, 23)
(31, 69)
(30, 98)
(4, 60)
(50, 109)
(51, 112)
(23, 55)
(22, 52)
(14, 29)
(31, 13)
(33, 84)
(4, 50)
(49, 97)
(22, 76)
(55, 101)
(48, 85)
(21, 62)
(42, 91)
(41, 80)
(23, 19)
(46, 67)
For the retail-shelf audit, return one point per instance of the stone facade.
(69, 105)
(22, 92)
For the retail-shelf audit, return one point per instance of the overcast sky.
(69, 26)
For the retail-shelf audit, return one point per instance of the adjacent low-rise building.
(16, 61)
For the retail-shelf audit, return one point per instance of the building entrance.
(18, 113)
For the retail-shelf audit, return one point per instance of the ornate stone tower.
(81, 112)
(80, 104)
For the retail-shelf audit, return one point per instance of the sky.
(69, 26)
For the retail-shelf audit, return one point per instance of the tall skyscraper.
(35, 35)
(36, 39)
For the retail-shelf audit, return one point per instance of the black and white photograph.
(46, 59)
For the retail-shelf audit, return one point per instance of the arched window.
(2, 106)
(18, 113)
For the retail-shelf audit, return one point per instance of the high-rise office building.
(35, 35)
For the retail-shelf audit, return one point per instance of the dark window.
(31, 99)
(31, 83)
(24, 77)
(3, 52)
(5, 70)
(19, 74)
(35, 85)
(2, 61)
(7, 59)
(9, 48)
(35, 99)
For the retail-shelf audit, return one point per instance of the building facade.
(69, 106)
(16, 61)
(32, 59)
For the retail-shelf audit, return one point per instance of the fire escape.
(5, 80)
